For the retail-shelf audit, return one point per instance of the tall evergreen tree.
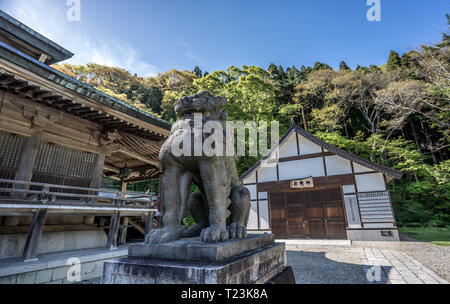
(197, 72)
(343, 66)
(394, 61)
(321, 66)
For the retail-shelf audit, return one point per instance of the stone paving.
(398, 267)
(357, 265)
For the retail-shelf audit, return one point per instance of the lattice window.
(11, 147)
(57, 160)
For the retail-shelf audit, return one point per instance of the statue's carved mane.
(204, 102)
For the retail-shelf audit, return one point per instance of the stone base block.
(253, 267)
(193, 249)
(381, 235)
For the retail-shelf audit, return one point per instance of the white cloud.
(192, 56)
(48, 17)
(183, 43)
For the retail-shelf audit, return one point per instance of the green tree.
(197, 72)
(343, 66)
(394, 61)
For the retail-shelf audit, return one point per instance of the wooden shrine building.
(315, 190)
(58, 136)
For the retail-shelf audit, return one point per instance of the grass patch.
(438, 236)
(441, 243)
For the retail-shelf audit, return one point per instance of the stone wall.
(52, 268)
(89, 271)
(11, 245)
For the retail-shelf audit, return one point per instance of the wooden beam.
(315, 155)
(140, 179)
(48, 85)
(141, 158)
(111, 169)
(30, 252)
(137, 227)
(113, 233)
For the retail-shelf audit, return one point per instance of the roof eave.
(34, 39)
(29, 63)
(377, 167)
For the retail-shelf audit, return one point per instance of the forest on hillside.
(396, 114)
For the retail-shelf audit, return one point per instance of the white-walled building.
(315, 190)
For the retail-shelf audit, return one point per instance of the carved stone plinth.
(232, 262)
(193, 249)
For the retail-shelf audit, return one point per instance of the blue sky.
(147, 37)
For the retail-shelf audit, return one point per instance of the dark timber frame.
(52, 115)
(30, 252)
(324, 183)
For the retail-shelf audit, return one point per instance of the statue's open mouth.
(191, 110)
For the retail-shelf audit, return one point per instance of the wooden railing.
(20, 194)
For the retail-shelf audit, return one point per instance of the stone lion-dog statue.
(221, 207)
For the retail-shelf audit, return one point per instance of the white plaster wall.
(252, 189)
(253, 218)
(264, 214)
(370, 182)
(250, 179)
(308, 147)
(337, 165)
(348, 189)
(360, 169)
(301, 168)
(267, 174)
(262, 195)
(289, 147)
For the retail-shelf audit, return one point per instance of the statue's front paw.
(213, 234)
(237, 231)
(162, 236)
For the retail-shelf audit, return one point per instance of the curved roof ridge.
(347, 155)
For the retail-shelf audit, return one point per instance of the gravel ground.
(325, 265)
(435, 257)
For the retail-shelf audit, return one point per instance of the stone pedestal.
(254, 260)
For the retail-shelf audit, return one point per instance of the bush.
(188, 220)
(413, 225)
(436, 223)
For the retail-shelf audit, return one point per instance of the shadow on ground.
(316, 268)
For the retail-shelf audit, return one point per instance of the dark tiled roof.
(359, 160)
(33, 38)
(35, 66)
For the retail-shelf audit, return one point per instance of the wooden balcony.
(21, 198)
(25, 198)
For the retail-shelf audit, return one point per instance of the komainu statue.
(221, 207)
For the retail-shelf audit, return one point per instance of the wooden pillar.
(97, 171)
(96, 180)
(113, 233)
(149, 223)
(34, 235)
(25, 171)
(28, 158)
(123, 235)
(123, 186)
